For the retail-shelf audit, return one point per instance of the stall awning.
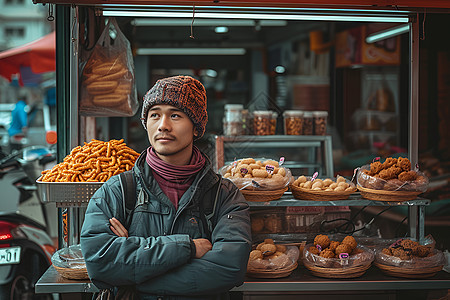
(39, 56)
(373, 4)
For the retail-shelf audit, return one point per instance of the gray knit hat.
(183, 92)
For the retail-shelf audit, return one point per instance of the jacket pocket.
(150, 220)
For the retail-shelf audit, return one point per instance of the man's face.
(171, 133)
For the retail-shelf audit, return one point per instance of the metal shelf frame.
(316, 144)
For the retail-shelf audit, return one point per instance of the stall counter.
(299, 281)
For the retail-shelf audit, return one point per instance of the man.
(165, 251)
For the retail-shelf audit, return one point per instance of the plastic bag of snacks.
(107, 83)
(257, 174)
(409, 254)
(326, 253)
(69, 262)
(394, 174)
(270, 256)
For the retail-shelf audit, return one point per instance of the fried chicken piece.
(376, 167)
(327, 253)
(343, 248)
(400, 253)
(404, 164)
(322, 240)
(349, 240)
(387, 251)
(333, 245)
(421, 251)
(314, 250)
(409, 244)
(389, 162)
(387, 174)
(407, 176)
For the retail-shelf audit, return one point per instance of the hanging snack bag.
(108, 83)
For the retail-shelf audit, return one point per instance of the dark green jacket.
(157, 255)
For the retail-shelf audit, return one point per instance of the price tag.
(281, 161)
(319, 247)
(270, 169)
(255, 184)
(343, 255)
(244, 171)
(376, 159)
(314, 176)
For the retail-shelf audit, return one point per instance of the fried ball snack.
(343, 248)
(256, 254)
(268, 249)
(349, 240)
(95, 161)
(327, 253)
(389, 162)
(322, 240)
(333, 245)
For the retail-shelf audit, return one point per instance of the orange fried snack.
(95, 161)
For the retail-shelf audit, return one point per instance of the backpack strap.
(208, 208)
(128, 195)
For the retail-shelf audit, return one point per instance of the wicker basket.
(280, 273)
(382, 195)
(417, 273)
(349, 272)
(72, 273)
(263, 196)
(308, 194)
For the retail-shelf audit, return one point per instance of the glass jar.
(247, 122)
(293, 122)
(320, 122)
(232, 120)
(273, 123)
(261, 122)
(307, 123)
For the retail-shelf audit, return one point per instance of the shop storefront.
(406, 16)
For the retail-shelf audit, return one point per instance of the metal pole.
(415, 215)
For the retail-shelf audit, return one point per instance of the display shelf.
(354, 200)
(319, 150)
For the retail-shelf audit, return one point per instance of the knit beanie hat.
(183, 92)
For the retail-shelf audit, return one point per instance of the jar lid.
(307, 114)
(274, 114)
(262, 113)
(234, 106)
(293, 113)
(320, 113)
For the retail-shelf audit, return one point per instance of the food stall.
(72, 130)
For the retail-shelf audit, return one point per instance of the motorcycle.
(25, 246)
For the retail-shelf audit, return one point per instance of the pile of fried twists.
(95, 161)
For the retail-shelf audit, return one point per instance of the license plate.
(9, 255)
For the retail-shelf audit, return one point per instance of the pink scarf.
(175, 180)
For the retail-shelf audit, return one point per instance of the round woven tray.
(72, 273)
(263, 196)
(272, 273)
(408, 272)
(382, 195)
(307, 194)
(348, 272)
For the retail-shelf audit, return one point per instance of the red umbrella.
(39, 55)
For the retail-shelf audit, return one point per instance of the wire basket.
(67, 192)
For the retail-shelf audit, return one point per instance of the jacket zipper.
(178, 213)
